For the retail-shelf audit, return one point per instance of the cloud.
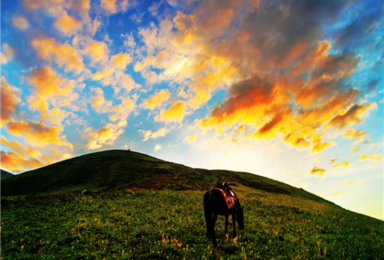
(159, 133)
(191, 138)
(7, 54)
(97, 50)
(381, 100)
(349, 183)
(342, 164)
(175, 113)
(14, 162)
(333, 160)
(63, 54)
(67, 24)
(9, 99)
(20, 22)
(354, 133)
(114, 6)
(157, 147)
(104, 136)
(352, 116)
(53, 8)
(38, 133)
(82, 7)
(156, 99)
(121, 60)
(373, 157)
(338, 194)
(47, 85)
(23, 150)
(317, 171)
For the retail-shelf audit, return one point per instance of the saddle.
(228, 193)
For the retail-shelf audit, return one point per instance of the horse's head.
(240, 218)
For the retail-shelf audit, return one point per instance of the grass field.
(169, 224)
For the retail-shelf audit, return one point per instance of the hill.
(146, 208)
(5, 174)
(113, 170)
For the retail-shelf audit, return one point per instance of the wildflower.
(123, 252)
(22, 247)
(235, 240)
(26, 227)
(325, 251)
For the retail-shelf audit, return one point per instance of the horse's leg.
(215, 215)
(226, 223)
(234, 224)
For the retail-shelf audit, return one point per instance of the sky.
(290, 90)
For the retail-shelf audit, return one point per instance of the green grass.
(169, 224)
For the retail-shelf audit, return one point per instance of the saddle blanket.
(229, 195)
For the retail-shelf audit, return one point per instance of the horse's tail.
(208, 211)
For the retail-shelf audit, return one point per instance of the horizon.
(289, 90)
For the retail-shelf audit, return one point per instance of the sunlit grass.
(170, 224)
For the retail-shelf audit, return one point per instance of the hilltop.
(113, 170)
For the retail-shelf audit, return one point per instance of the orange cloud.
(14, 162)
(121, 60)
(9, 99)
(104, 136)
(159, 133)
(114, 6)
(62, 54)
(98, 51)
(20, 22)
(342, 164)
(156, 99)
(52, 7)
(38, 133)
(7, 54)
(337, 194)
(67, 24)
(318, 146)
(353, 134)
(19, 149)
(46, 84)
(175, 113)
(317, 171)
(373, 157)
(333, 160)
(352, 116)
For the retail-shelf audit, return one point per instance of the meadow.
(169, 224)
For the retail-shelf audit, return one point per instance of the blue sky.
(291, 90)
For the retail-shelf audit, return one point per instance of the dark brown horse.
(215, 204)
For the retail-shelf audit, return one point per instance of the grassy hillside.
(169, 224)
(118, 170)
(145, 208)
(5, 174)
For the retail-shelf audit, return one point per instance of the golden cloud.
(333, 160)
(9, 99)
(104, 136)
(67, 24)
(175, 113)
(114, 6)
(191, 138)
(14, 162)
(352, 116)
(342, 164)
(337, 194)
(373, 157)
(20, 22)
(25, 150)
(159, 133)
(156, 99)
(38, 133)
(353, 134)
(98, 51)
(53, 7)
(121, 60)
(317, 171)
(7, 54)
(62, 54)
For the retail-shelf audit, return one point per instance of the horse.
(215, 204)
